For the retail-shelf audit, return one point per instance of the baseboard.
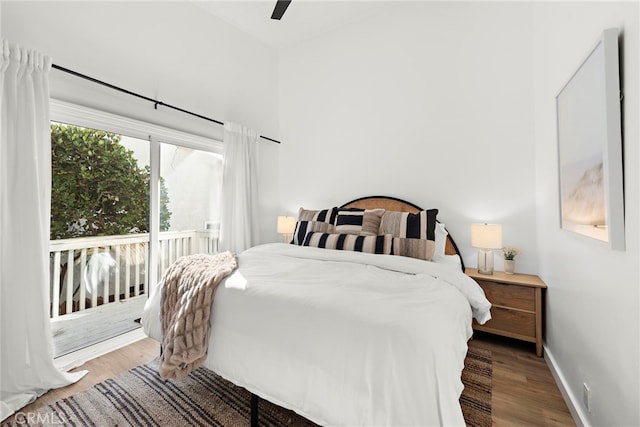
(77, 358)
(579, 417)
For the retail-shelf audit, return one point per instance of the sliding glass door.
(128, 199)
(190, 187)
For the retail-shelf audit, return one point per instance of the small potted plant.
(509, 253)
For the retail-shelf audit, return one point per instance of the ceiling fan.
(278, 11)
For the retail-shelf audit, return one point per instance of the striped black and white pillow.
(324, 215)
(304, 227)
(350, 242)
(365, 222)
(420, 225)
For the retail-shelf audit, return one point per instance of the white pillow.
(441, 239)
(449, 260)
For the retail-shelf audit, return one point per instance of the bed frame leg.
(254, 410)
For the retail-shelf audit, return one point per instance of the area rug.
(140, 397)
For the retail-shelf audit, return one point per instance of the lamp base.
(286, 237)
(485, 261)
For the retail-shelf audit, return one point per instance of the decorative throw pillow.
(350, 242)
(325, 215)
(414, 248)
(365, 222)
(304, 227)
(420, 225)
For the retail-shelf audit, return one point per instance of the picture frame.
(590, 146)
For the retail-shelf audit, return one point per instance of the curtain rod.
(146, 98)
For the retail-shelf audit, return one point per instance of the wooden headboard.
(395, 204)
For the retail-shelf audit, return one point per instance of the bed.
(345, 337)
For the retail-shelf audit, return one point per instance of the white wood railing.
(91, 271)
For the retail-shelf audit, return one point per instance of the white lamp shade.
(486, 236)
(286, 224)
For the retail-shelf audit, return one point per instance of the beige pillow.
(414, 248)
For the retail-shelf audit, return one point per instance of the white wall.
(592, 321)
(426, 101)
(170, 51)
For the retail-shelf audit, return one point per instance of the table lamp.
(486, 237)
(286, 227)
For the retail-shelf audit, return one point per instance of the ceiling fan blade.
(280, 8)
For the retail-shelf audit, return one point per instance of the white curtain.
(239, 218)
(26, 354)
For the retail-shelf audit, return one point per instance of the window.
(190, 191)
(128, 199)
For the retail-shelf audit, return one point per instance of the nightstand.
(516, 305)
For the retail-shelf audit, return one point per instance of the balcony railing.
(91, 271)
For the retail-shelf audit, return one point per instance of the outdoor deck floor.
(79, 330)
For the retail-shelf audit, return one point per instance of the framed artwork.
(590, 146)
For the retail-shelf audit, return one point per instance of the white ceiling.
(304, 19)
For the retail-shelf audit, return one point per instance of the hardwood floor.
(100, 369)
(524, 392)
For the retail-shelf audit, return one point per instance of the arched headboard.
(395, 204)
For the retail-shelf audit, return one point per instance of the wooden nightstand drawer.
(512, 296)
(512, 322)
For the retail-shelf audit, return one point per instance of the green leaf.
(97, 186)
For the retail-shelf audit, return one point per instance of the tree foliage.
(98, 189)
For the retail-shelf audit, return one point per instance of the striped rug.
(140, 397)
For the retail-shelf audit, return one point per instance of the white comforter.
(343, 338)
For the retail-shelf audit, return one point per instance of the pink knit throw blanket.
(188, 288)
